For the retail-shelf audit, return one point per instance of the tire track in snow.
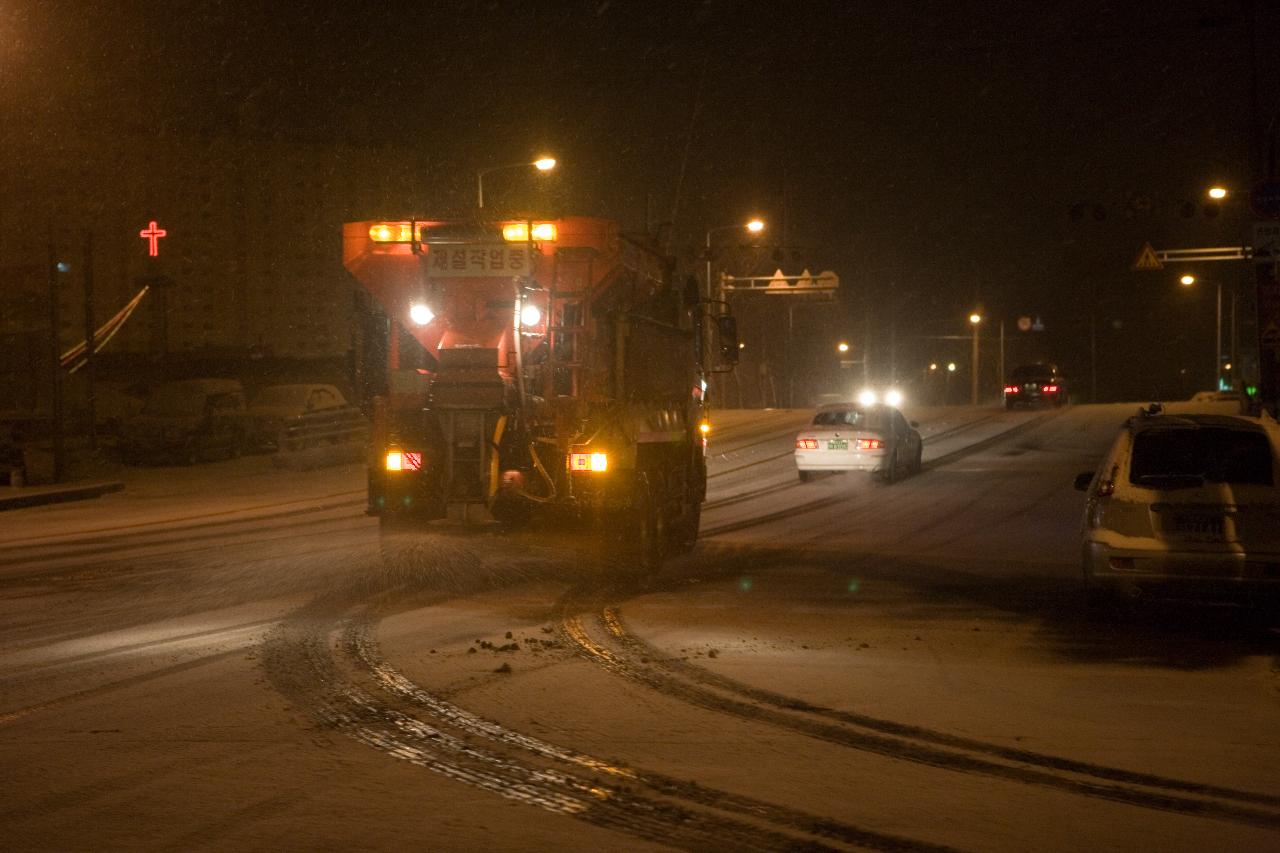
(614, 648)
(329, 664)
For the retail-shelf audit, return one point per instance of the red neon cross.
(153, 234)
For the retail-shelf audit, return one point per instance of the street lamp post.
(755, 226)
(543, 164)
(1189, 281)
(974, 320)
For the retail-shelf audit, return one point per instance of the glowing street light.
(755, 226)
(1217, 193)
(842, 347)
(542, 164)
(951, 367)
(974, 320)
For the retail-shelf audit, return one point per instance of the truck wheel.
(637, 535)
(651, 531)
(684, 534)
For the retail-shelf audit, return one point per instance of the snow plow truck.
(536, 375)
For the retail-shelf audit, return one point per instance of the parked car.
(1030, 384)
(187, 421)
(302, 414)
(856, 437)
(1184, 504)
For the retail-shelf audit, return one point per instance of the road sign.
(1265, 198)
(1147, 259)
(1266, 241)
(825, 282)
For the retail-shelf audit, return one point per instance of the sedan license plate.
(1199, 525)
(838, 444)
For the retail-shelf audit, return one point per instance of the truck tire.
(635, 535)
(684, 533)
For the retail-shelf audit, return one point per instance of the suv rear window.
(1189, 456)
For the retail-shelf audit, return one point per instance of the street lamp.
(1217, 193)
(842, 347)
(975, 319)
(755, 226)
(1189, 280)
(542, 164)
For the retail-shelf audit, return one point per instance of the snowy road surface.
(215, 658)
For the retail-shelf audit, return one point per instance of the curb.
(40, 495)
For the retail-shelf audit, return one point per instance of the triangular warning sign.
(1147, 259)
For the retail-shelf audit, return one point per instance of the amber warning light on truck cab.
(518, 232)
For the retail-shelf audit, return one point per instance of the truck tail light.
(596, 462)
(869, 444)
(400, 460)
(806, 444)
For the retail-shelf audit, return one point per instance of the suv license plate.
(838, 444)
(1199, 525)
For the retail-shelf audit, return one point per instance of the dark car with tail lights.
(1035, 384)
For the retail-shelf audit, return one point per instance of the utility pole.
(55, 353)
(973, 383)
(88, 339)
(1002, 373)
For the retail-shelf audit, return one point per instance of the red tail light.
(869, 444)
(1012, 389)
(1049, 389)
(806, 444)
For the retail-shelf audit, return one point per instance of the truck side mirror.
(727, 332)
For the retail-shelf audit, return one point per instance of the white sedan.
(856, 437)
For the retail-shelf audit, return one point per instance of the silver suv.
(1184, 504)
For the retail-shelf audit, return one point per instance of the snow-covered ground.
(215, 657)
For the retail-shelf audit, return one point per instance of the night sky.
(936, 155)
